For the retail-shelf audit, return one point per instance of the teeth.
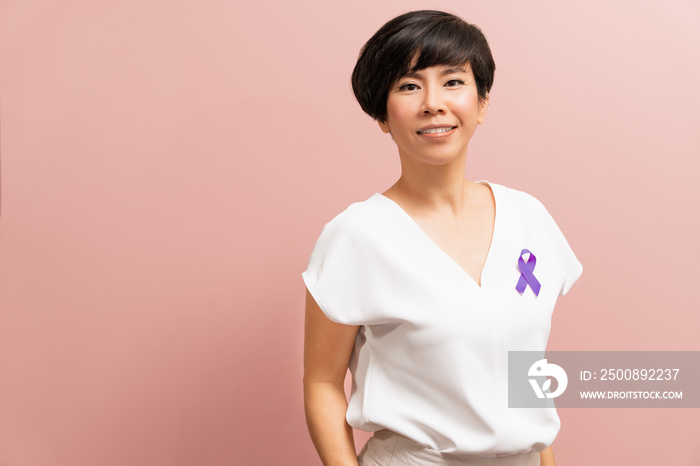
(436, 130)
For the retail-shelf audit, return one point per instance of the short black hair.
(437, 37)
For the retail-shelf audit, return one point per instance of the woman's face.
(433, 113)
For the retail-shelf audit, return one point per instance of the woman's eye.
(408, 87)
(454, 82)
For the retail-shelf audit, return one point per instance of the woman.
(418, 290)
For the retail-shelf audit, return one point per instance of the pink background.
(167, 167)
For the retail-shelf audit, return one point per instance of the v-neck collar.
(439, 249)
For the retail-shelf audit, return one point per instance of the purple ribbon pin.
(526, 275)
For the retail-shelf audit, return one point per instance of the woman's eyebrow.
(453, 70)
(416, 74)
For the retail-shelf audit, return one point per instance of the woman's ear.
(384, 126)
(483, 106)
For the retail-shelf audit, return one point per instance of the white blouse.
(430, 358)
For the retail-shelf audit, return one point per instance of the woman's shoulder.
(357, 217)
(516, 197)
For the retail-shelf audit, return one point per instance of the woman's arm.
(547, 457)
(327, 350)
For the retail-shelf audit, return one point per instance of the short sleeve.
(569, 265)
(339, 272)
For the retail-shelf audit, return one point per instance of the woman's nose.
(432, 100)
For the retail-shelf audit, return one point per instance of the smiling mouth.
(437, 130)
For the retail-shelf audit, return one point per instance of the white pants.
(387, 448)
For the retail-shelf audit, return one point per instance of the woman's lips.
(437, 132)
